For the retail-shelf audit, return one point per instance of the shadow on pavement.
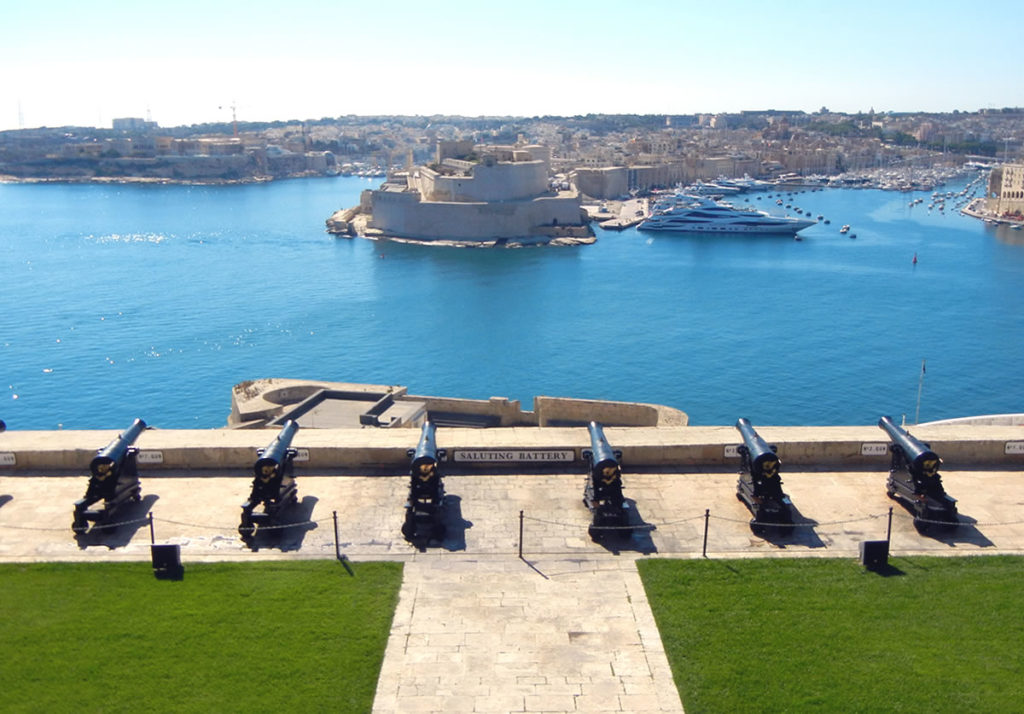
(132, 517)
(290, 531)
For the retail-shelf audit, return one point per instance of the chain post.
(520, 535)
(707, 517)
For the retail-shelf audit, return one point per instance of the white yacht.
(747, 183)
(702, 188)
(686, 213)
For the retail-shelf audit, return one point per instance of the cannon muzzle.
(601, 454)
(426, 452)
(920, 460)
(275, 454)
(111, 457)
(760, 457)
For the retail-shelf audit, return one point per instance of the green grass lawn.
(230, 637)
(796, 635)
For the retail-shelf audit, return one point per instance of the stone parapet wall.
(363, 450)
(552, 410)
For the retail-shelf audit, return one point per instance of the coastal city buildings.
(610, 154)
(1006, 191)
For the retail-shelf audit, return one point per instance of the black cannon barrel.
(757, 448)
(601, 452)
(426, 449)
(112, 455)
(915, 451)
(275, 453)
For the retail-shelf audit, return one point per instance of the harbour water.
(123, 301)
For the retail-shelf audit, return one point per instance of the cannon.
(759, 485)
(423, 509)
(113, 479)
(273, 484)
(915, 482)
(602, 493)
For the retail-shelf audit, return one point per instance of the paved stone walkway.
(504, 635)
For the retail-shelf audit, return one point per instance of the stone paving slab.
(504, 635)
(838, 511)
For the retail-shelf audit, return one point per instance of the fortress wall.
(553, 410)
(400, 214)
(563, 209)
(602, 183)
(508, 411)
(498, 182)
(679, 447)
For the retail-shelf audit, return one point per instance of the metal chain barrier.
(572, 526)
(233, 528)
(60, 530)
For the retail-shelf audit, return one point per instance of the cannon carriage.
(760, 486)
(915, 482)
(602, 492)
(273, 484)
(424, 507)
(113, 479)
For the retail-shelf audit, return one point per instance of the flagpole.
(920, 385)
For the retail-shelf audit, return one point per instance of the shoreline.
(6, 178)
(987, 216)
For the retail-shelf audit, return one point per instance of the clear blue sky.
(187, 62)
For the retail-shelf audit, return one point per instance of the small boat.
(845, 228)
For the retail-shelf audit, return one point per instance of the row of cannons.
(914, 481)
(114, 483)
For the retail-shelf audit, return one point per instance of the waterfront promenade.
(564, 628)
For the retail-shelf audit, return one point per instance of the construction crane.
(234, 118)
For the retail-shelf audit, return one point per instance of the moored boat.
(685, 213)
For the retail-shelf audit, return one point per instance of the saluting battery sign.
(513, 455)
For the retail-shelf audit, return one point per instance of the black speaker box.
(167, 562)
(874, 554)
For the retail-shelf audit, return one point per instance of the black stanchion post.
(707, 517)
(152, 533)
(520, 534)
(888, 530)
(337, 545)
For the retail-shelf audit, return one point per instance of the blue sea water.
(123, 301)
